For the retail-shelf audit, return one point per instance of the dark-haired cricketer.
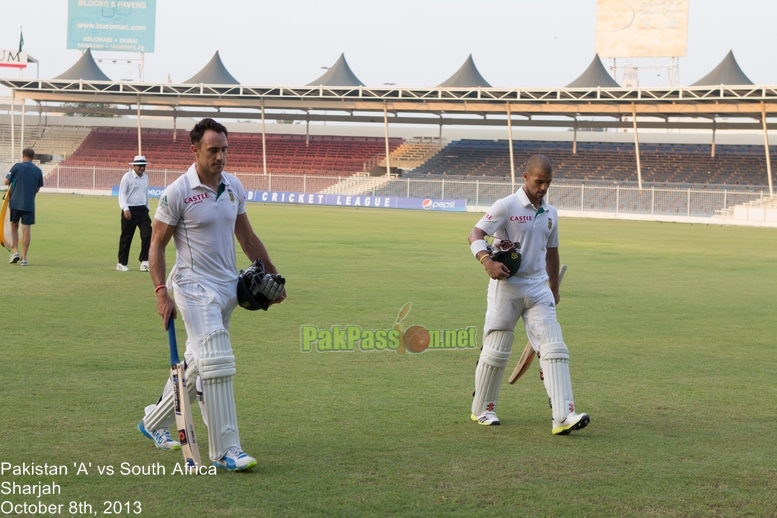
(531, 294)
(202, 211)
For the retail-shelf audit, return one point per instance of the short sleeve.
(240, 192)
(494, 219)
(170, 208)
(553, 236)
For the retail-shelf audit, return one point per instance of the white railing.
(581, 197)
(570, 196)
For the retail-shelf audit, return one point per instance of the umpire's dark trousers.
(138, 218)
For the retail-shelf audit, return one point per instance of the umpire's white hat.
(139, 160)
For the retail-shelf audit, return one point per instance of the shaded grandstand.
(736, 166)
(739, 165)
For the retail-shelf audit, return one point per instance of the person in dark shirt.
(25, 180)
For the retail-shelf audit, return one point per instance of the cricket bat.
(182, 405)
(528, 351)
(6, 236)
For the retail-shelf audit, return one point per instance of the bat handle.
(173, 342)
(561, 273)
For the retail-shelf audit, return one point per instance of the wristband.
(478, 246)
(159, 288)
(483, 258)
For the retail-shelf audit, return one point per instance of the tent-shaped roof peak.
(214, 73)
(339, 74)
(85, 68)
(594, 76)
(727, 72)
(468, 76)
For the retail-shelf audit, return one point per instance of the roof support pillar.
(712, 151)
(385, 127)
(140, 143)
(21, 138)
(574, 138)
(636, 145)
(264, 144)
(510, 144)
(307, 130)
(766, 145)
(13, 126)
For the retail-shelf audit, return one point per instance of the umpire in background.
(133, 200)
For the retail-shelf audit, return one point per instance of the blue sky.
(516, 43)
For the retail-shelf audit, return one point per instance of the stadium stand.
(286, 154)
(51, 143)
(609, 162)
(414, 152)
(740, 166)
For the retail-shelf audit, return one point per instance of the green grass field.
(671, 330)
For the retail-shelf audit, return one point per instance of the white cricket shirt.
(133, 190)
(536, 230)
(204, 224)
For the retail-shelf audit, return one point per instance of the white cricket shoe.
(14, 258)
(571, 422)
(235, 460)
(23, 262)
(160, 436)
(486, 419)
(144, 266)
(121, 268)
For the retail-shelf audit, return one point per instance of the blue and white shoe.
(161, 437)
(235, 459)
(486, 419)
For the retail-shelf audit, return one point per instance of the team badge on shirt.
(231, 195)
(550, 223)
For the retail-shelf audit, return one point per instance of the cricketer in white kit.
(526, 219)
(202, 211)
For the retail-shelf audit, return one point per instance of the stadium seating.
(341, 156)
(57, 141)
(286, 154)
(609, 162)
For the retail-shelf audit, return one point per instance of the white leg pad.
(201, 401)
(554, 359)
(162, 413)
(217, 368)
(491, 367)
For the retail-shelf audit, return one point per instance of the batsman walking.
(523, 264)
(202, 211)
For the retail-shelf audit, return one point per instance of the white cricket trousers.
(527, 298)
(205, 307)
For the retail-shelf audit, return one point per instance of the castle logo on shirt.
(199, 198)
(521, 219)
